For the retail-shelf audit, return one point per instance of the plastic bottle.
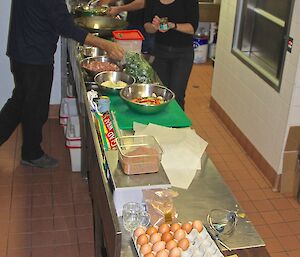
(200, 44)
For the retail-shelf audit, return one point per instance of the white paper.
(182, 151)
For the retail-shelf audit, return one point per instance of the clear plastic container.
(129, 40)
(139, 154)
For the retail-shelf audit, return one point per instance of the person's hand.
(113, 50)
(113, 11)
(156, 22)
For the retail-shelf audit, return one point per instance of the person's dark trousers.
(173, 66)
(29, 105)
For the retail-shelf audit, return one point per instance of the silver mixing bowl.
(88, 60)
(113, 76)
(130, 92)
(91, 51)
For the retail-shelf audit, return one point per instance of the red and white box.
(73, 142)
(68, 108)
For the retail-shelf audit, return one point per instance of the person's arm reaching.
(133, 6)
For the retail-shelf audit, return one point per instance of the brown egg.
(151, 230)
(179, 234)
(155, 237)
(166, 237)
(145, 249)
(187, 227)
(163, 228)
(149, 255)
(184, 244)
(142, 239)
(162, 253)
(138, 232)
(170, 245)
(197, 224)
(158, 246)
(175, 227)
(175, 252)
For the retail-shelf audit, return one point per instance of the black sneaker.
(45, 162)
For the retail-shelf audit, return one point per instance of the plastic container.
(139, 154)
(68, 108)
(73, 142)
(129, 40)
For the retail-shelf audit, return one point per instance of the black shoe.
(45, 162)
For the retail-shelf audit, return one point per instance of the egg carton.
(200, 245)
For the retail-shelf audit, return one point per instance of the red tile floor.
(47, 213)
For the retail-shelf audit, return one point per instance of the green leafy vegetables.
(138, 67)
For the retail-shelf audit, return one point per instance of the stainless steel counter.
(206, 192)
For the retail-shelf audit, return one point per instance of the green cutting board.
(171, 116)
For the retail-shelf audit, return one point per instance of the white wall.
(294, 117)
(7, 84)
(256, 108)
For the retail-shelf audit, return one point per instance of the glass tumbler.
(131, 215)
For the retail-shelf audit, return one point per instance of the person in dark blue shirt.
(173, 48)
(35, 26)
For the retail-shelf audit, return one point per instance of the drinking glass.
(131, 215)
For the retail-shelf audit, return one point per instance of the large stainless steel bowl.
(93, 73)
(133, 91)
(102, 25)
(113, 76)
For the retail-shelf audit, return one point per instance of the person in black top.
(35, 26)
(135, 18)
(173, 49)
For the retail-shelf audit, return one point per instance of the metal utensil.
(217, 239)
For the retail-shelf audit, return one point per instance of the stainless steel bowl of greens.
(147, 98)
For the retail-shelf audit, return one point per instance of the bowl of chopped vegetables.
(147, 98)
(111, 82)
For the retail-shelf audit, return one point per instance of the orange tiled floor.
(48, 213)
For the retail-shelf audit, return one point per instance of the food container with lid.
(129, 40)
(139, 154)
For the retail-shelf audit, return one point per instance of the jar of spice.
(163, 23)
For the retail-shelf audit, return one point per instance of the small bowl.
(113, 76)
(89, 60)
(133, 91)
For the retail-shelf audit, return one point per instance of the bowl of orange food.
(147, 98)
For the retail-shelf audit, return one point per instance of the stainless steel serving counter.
(207, 191)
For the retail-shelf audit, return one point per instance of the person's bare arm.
(133, 6)
(113, 50)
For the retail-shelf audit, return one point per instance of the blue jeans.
(173, 66)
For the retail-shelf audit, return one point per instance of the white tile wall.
(257, 109)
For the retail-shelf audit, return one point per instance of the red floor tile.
(263, 205)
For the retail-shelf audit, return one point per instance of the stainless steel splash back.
(260, 36)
